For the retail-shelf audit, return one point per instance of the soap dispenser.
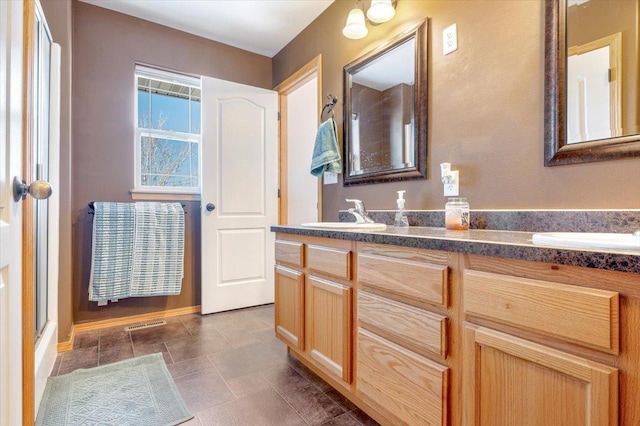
(401, 218)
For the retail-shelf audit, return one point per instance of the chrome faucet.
(359, 212)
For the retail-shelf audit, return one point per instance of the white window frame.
(164, 192)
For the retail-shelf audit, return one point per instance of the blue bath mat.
(138, 391)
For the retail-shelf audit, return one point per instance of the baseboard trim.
(115, 322)
(68, 345)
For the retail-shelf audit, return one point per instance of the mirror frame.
(419, 170)
(556, 149)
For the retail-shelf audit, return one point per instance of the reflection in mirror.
(601, 69)
(385, 118)
(382, 112)
(591, 81)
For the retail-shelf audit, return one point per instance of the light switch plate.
(330, 178)
(450, 39)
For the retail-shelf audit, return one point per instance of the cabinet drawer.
(406, 387)
(584, 315)
(418, 282)
(331, 261)
(405, 324)
(291, 252)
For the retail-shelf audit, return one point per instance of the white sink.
(588, 240)
(347, 226)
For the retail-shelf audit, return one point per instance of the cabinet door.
(511, 381)
(330, 342)
(289, 306)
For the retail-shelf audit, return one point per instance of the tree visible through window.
(168, 130)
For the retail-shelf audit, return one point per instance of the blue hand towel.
(326, 154)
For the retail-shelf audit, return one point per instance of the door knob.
(38, 189)
(211, 207)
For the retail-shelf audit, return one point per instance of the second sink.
(588, 240)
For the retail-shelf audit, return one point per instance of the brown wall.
(105, 47)
(596, 19)
(485, 110)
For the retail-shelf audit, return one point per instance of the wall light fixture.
(355, 27)
(379, 11)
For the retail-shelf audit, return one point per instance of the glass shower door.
(42, 77)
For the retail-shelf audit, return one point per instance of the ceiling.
(260, 26)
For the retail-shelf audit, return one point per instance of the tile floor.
(229, 368)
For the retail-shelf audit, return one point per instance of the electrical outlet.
(452, 189)
(450, 39)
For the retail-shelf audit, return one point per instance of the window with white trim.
(167, 131)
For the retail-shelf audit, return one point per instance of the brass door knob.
(38, 189)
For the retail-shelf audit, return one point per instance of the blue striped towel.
(111, 256)
(158, 249)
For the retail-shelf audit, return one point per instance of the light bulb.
(355, 27)
(380, 11)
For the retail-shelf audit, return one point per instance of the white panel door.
(11, 113)
(239, 194)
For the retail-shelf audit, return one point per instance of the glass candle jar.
(456, 214)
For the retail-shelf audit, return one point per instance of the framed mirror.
(592, 88)
(385, 111)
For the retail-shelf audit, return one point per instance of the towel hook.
(328, 107)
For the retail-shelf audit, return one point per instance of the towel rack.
(92, 207)
(328, 107)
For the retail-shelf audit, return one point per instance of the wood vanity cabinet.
(424, 337)
(313, 302)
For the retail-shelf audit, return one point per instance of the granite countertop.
(500, 243)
